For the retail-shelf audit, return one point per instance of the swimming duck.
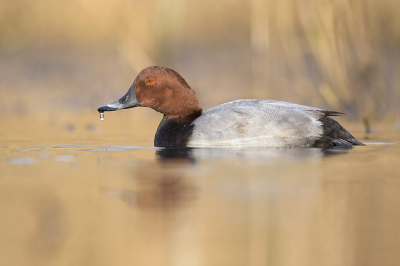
(240, 123)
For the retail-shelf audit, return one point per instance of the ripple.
(65, 158)
(380, 143)
(121, 148)
(25, 161)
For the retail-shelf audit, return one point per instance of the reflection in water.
(120, 205)
(161, 184)
(157, 189)
(175, 153)
(52, 226)
(251, 154)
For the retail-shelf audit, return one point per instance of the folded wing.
(258, 123)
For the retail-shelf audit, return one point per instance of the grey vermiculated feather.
(257, 123)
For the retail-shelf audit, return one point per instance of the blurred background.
(73, 189)
(68, 57)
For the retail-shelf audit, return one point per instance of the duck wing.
(257, 123)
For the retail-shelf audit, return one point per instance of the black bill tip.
(106, 108)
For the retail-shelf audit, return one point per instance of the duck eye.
(150, 80)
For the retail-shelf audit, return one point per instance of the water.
(101, 116)
(95, 196)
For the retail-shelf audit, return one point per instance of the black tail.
(334, 135)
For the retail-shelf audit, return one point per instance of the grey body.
(257, 123)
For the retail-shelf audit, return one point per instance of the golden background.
(75, 190)
(68, 56)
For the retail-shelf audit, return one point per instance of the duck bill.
(129, 100)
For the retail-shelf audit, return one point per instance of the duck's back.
(260, 123)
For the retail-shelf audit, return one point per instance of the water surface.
(99, 198)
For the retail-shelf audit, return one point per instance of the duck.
(241, 123)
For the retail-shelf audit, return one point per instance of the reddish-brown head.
(162, 89)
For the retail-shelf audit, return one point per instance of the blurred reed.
(336, 54)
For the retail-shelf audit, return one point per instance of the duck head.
(161, 89)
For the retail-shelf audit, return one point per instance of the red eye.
(150, 80)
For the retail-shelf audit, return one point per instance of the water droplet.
(101, 116)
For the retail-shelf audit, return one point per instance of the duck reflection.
(175, 155)
(191, 155)
(165, 182)
(162, 183)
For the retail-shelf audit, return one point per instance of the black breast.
(174, 132)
